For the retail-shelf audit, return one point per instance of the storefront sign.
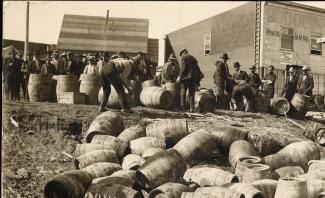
(299, 37)
(286, 57)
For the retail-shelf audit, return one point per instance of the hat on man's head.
(253, 67)
(172, 56)
(291, 70)
(63, 54)
(305, 68)
(12, 51)
(183, 50)
(114, 56)
(236, 64)
(69, 53)
(36, 53)
(224, 56)
(56, 52)
(271, 66)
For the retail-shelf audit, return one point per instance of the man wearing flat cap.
(290, 85)
(269, 81)
(190, 76)
(254, 79)
(11, 72)
(305, 83)
(170, 70)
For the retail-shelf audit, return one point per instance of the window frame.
(292, 37)
(207, 44)
(314, 36)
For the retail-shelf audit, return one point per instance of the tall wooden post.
(27, 32)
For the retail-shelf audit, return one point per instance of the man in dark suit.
(72, 65)
(290, 85)
(11, 73)
(305, 83)
(190, 76)
(254, 79)
(220, 76)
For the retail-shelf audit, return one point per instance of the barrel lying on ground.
(164, 166)
(113, 100)
(107, 123)
(169, 130)
(90, 85)
(156, 97)
(287, 171)
(138, 146)
(295, 154)
(94, 157)
(117, 145)
(196, 147)
(102, 169)
(300, 104)
(238, 149)
(205, 176)
(291, 188)
(40, 87)
(255, 172)
(82, 149)
(267, 186)
(243, 162)
(131, 162)
(205, 100)
(280, 106)
(170, 190)
(225, 136)
(115, 190)
(68, 184)
(132, 133)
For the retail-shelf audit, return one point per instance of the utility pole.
(27, 32)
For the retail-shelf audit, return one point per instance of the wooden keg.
(243, 162)
(132, 133)
(90, 85)
(149, 83)
(287, 171)
(40, 87)
(95, 157)
(113, 101)
(170, 190)
(68, 184)
(262, 103)
(67, 83)
(301, 103)
(102, 169)
(280, 106)
(239, 149)
(156, 97)
(291, 188)
(255, 172)
(225, 136)
(204, 100)
(118, 145)
(115, 190)
(175, 89)
(131, 162)
(267, 186)
(138, 146)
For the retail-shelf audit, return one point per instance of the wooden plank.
(101, 48)
(98, 17)
(102, 42)
(102, 37)
(107, 32)
(103, 22)
(102, 27)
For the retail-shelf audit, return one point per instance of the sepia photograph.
(163, 99)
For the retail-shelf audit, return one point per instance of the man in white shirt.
(91, 68)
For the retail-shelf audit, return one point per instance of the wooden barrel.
(280, 106)
(131, 162)
(110, 180)
(107, 123)
(204, 101)
(95, 157)
(287, 171)
(175, 89)
(150, 152)
(291, 188)
(238, 149)
(315, 186)
(225, 136)
(82, 149)
(170, 130)
(125, 173)
(40, 87)
(169, 190)
(295, 154)
(243, 162)
(205, 176)
(149, 83)
(267, 186)
(214, 191)
(262, 103)
(101, 169)
(255, 172)
(132, 133)
(138, 146)
(54, 83)
(247, 190)
(196, 146)
(67, 83)
(171, 166)
(113, 101)
(316, 165)
(156, 97)
(68, 184)
(115, 190)
(301, 103)
(118, 145)
(90, 85)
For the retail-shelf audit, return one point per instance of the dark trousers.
(219, 91)
(24, 87)
(110, 77)
(269, 92)
(190, 85)
(11, 90)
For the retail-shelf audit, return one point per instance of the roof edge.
(298, 5)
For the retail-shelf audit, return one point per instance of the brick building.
(278, 33)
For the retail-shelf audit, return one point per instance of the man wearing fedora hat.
(58, 63)
(254, 79)
(239, 75)
(269, 81)
(72, 65)
(305, 83)
(11, 73)
(290, 85)
(190, 76)
(170, 70)
(36, 63)
(220, 76)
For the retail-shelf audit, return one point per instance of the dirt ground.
(32, 152)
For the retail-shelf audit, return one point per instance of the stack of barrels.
(164, 159)
(67, 90)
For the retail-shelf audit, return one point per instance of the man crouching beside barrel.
(117, 75)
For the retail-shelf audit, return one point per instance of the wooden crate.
(71, 98)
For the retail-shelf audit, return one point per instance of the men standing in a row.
(305, 83)
(11, 71)
(91, 68)
(290, 85)
(72, 65)
(269, 81)
(48, 67)
(170, 70)
(58, 63)
(190, 76)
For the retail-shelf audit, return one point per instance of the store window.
(207, 44)
(287, 38)
(315, 48)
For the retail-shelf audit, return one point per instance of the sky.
(164, 16)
